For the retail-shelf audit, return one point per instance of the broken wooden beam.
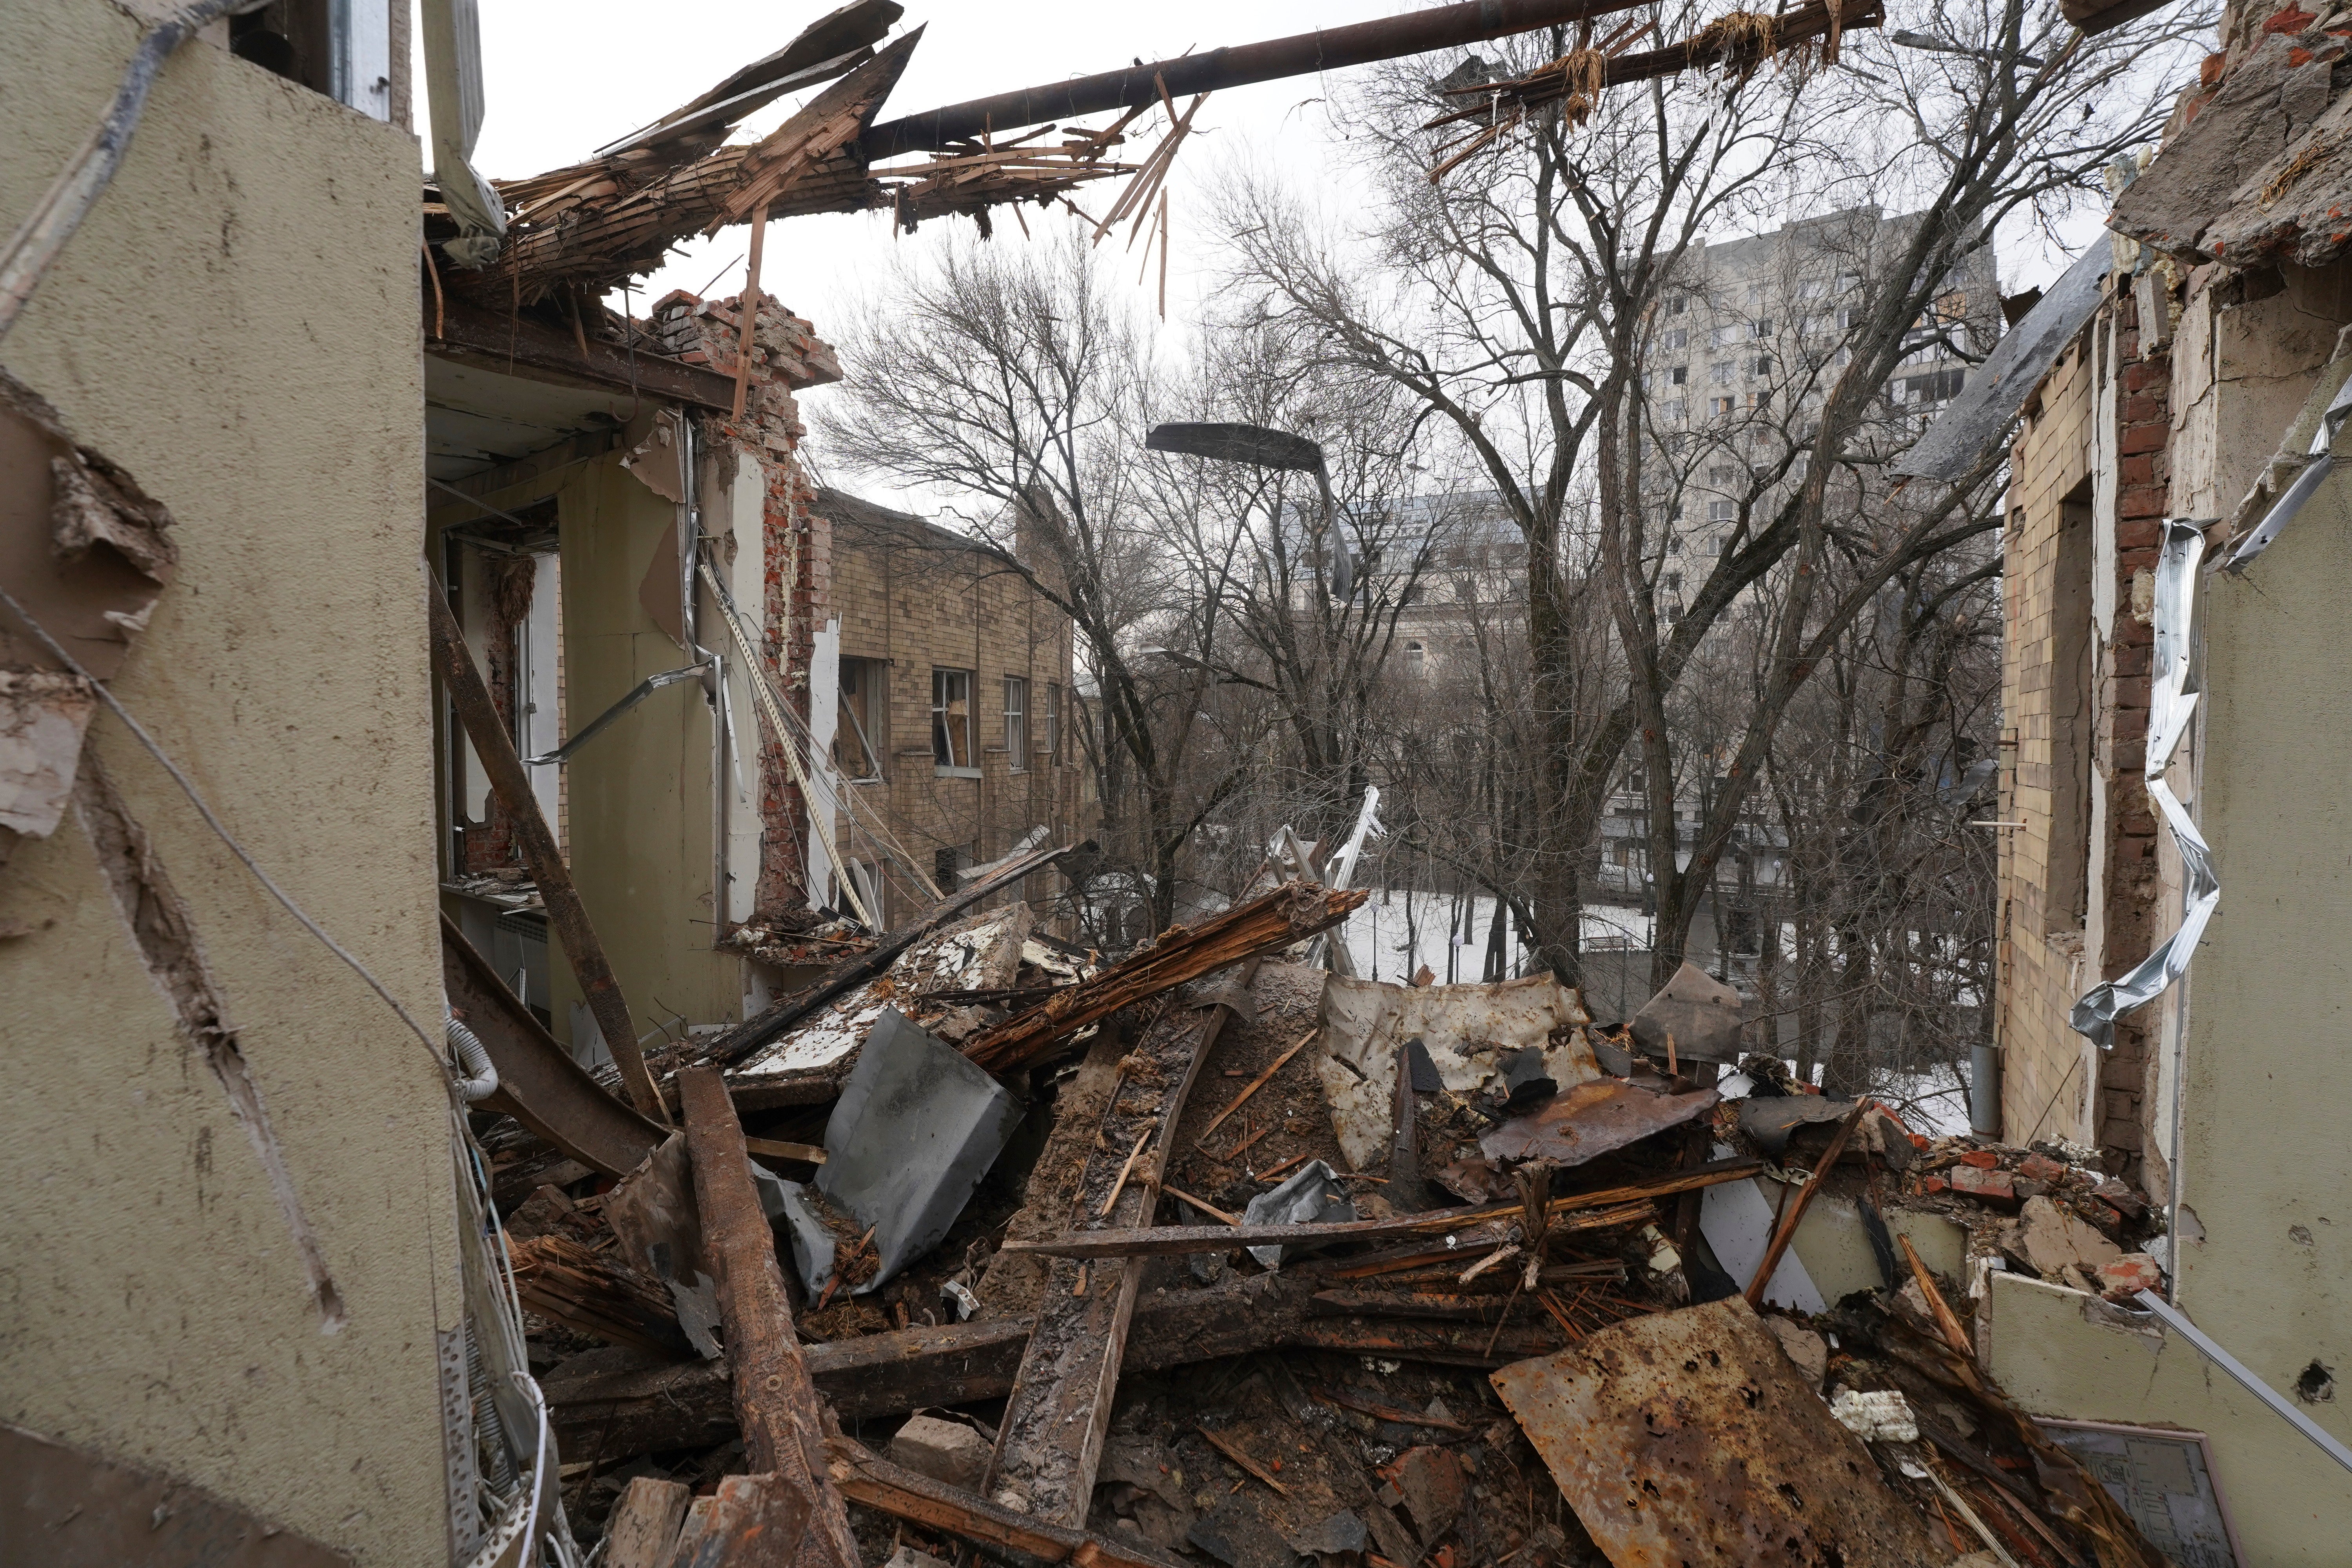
(1290, 913)
(461, 677)
(775, 1401)
(1049, 1443)
(866, 1477)
(467, 333)
(540, 1084)
(1303, 54)
(1171, 1240)
(772, 1022)
(871, 1376)
(597, 1295)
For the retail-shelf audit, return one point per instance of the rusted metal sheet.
(538, 1083)
(1687, 1437)
(1592, 1119)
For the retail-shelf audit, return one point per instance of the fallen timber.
(646, 1409)
(1176, 1241)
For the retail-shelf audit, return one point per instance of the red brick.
(2131, 725)
(2139, 532)
(1935, 1184)
(2147, 437)
(2209, 71)
(2145, 407)
(2128, 662)
(2293, 19)
(1987, 1186)
(2139, 377)
(2131, 1273)
(2142, 501)
(1982, 1159)
(2041, 1168)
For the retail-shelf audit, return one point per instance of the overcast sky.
(561, 80)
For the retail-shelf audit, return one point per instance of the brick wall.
(2103, 378)
(2128, 896)
(916, 598)
(2042, 967)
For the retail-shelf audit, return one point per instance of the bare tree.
(1008, 373)
(1519, 301)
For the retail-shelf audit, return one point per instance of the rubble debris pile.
(1118, 1320)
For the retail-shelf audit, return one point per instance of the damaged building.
(547, 1025)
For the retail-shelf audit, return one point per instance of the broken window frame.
(854, 684)
(951, 723)
(1016, 722)
(1054, 723)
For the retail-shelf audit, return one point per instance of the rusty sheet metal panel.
(538, 1083)
(1592, 1119)
(1686, 1440)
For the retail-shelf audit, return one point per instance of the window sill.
(939, 770)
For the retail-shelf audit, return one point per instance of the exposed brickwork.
(906, 594)
(921, 599)
(2043, 969)
(786, 354)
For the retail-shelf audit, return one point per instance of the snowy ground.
(1394, 934)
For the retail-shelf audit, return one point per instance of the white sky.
(561, 80)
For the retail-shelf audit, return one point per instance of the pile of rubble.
(1210, 1256)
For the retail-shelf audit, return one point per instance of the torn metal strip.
(2172, 702)
(2240, 554)
(643, 690)
(2178, 1320)
(166, 938)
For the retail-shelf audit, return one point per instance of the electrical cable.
(57, 652)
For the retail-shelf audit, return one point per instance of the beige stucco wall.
(640, 795)
(236, 323)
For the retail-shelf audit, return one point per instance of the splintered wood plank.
(1050, 1443)
(643, 1525)
(775, 1400)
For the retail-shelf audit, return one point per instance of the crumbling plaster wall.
(2055, 1353)
(236, 324)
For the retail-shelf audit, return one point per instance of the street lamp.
(1267, 449)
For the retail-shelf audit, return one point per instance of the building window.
(1719, 373)
(1681, 373)
(1414, 657)
(949, 865)
(1678, 338)
(1723, 512)
(1729, 332)
(1725, 405)
(1674, 407)
(1759, 329)
(855, 751)
(1674, 581)
(1016, 722)
(1760, 365)
(951, 717)
(1677, 304)
(1054, 722)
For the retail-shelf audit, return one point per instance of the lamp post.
(1267, 449)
